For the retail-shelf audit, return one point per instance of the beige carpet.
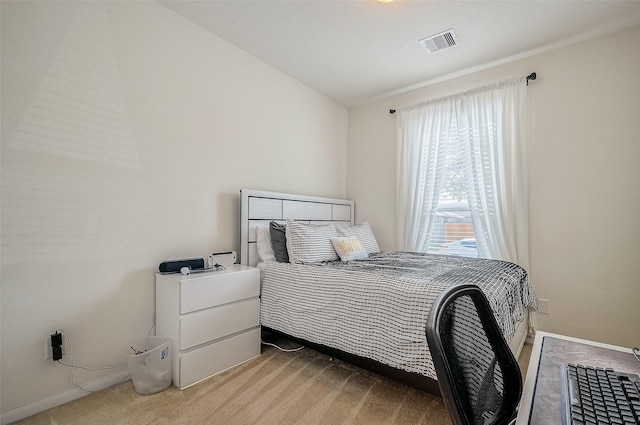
(303, 387)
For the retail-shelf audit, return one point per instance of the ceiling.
(358, 51)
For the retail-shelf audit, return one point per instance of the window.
(461, 182)
(452, 232)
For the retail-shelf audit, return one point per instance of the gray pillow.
(279, 241)
(308, 243)
(364, 234)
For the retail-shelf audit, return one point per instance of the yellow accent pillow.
(349, 248)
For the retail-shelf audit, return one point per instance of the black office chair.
(478, 375)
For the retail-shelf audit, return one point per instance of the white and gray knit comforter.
(377, 308)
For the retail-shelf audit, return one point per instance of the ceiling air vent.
(441, 41)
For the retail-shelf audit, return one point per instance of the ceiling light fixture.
(385, 1)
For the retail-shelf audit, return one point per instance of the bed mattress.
(377, 307)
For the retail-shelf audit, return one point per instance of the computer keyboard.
(593, 395)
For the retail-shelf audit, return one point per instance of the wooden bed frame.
(260, 208)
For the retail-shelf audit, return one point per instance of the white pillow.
(349, 248)
(308, 243)
(263, 243)
(364, 234)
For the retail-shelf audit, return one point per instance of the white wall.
(584, 180)
(127, 133)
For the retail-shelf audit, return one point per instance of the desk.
(540, 402)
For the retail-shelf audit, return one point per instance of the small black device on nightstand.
(174, 266)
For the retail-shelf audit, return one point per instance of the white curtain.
(423, 134)
(491, 125)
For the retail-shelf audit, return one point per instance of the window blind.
(453, 229)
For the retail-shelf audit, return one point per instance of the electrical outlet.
(543, 306)
(47, 347)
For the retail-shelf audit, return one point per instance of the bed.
(371, 309)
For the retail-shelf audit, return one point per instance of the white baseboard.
(31, 409)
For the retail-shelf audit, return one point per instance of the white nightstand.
(213, 319)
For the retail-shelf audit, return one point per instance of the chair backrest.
(478, 376)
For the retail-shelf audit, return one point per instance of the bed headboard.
(258, 207)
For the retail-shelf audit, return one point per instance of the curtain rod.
(531, 76)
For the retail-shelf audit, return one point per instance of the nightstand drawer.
(210, 290)
(215, 358)
(213, 323)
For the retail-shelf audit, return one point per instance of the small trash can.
(149, 361)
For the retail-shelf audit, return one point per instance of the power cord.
(153, 324)
(286, 350)
(636, 353)
(74, 366)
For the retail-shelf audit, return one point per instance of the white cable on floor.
(74, 366)
(282, 349)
